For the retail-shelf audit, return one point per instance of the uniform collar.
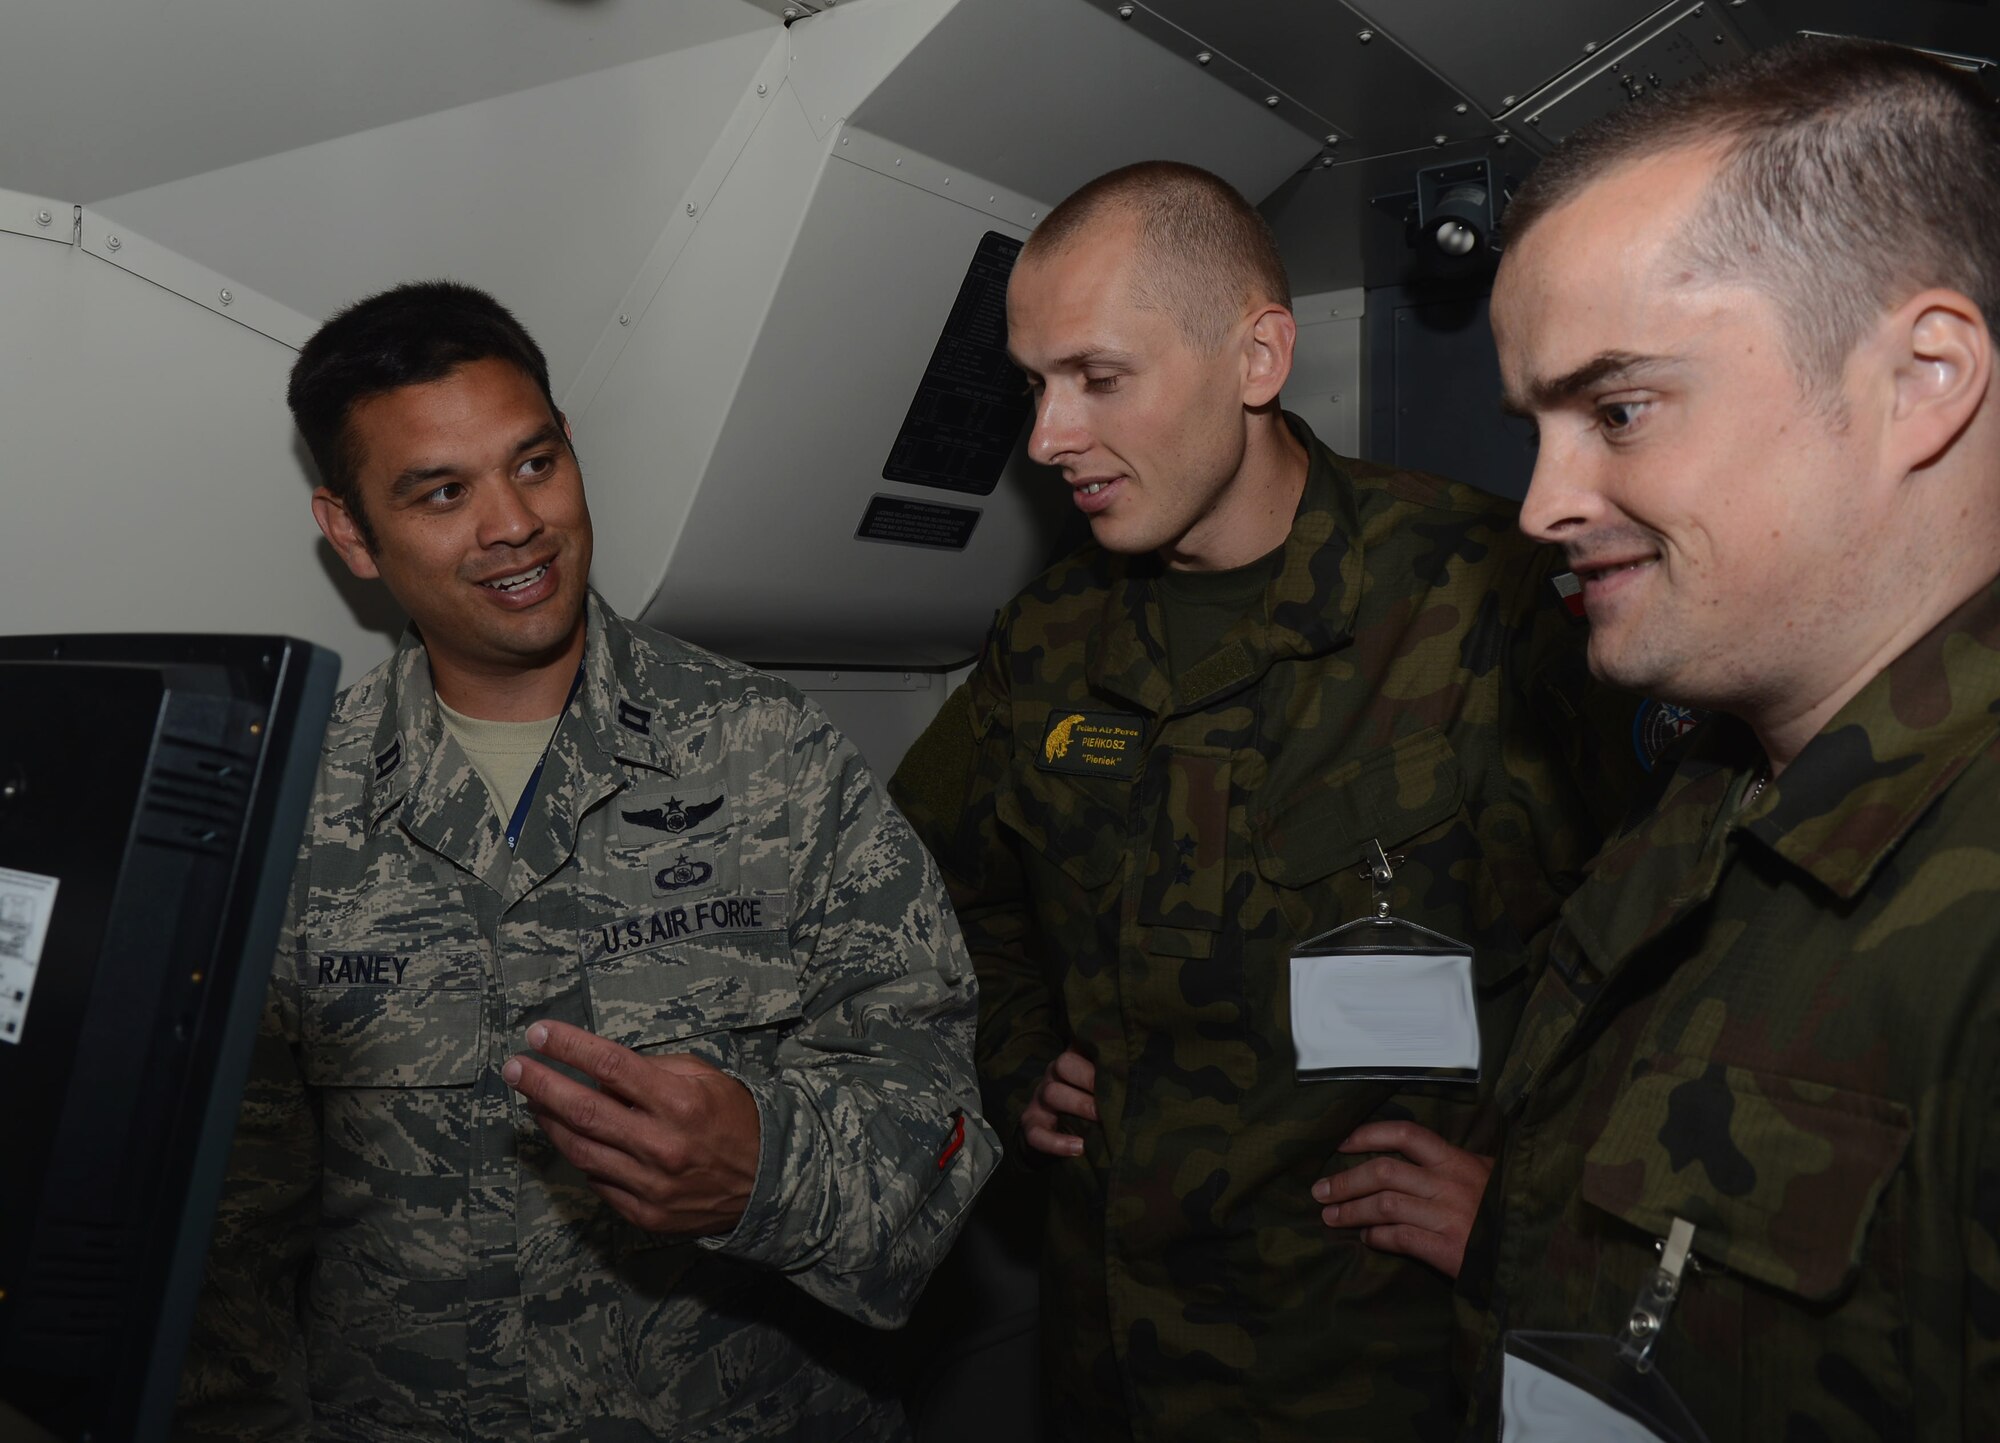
(418, 773)
(1858, 787)
(1126, 654)
(1838, 811)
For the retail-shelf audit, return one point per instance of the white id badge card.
(1391, 1013)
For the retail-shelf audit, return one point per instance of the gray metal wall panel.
(1498, 50)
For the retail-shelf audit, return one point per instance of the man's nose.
(506, 518)
(1058, 430)
(1561, 500)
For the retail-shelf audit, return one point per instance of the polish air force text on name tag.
(1388, 1014)
(27, 901)
(712, 916)
(1091, 743)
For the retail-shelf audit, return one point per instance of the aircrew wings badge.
(1092, 743)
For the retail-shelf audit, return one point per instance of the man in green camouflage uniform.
(752, 1129)
(1166, 773)
(1770, 448)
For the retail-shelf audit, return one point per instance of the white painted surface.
(101, 98)
(152, 480)
(550, 197)
(1325, 388)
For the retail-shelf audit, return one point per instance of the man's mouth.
(517, 581)
(1603, 570)
(1093, 488)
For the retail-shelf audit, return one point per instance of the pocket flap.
(685, 991)
(1389, 795)
(1075, 822)
(1780, 1177)
(363, 1036)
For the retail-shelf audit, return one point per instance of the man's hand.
(1067, 1089)
(667, 1140)
(1422, 1208)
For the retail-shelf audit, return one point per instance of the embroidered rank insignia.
(387, 761)
(1092, 743)
(634, 718)
(1657, 725)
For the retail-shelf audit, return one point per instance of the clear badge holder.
(1381, 998)
(1589, 1388)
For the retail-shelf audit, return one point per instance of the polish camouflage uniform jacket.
(1411, 678)
(708, 868)
(1778, 1018)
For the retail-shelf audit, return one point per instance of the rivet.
(899, 160)
(762, 88)
(1124, 12)
(1718, 37)
(1326, 162)
(1333, 140)
(1534, 120)
(113, 242)
(1365, 36)
(624, 320)
(843, 140)
(1459, 109)
(1502, 139)
(42, 217)
(1271, 100)
(1034, 215)
(791, 13)
(947, 180)
(1508, 102)
(692, 207)
(1437, 140)
(1590, 47)
(225, 297)
(1203, 58)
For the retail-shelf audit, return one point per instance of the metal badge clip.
(1656, 1298)
(1379, 871)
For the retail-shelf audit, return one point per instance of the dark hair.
(414, 333)
(1206, 253)
(1850, 175)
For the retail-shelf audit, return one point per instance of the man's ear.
(1942, 355)
(1267, 355)
(341, 532)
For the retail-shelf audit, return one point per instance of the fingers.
(1392, 1209)
(1439, 1251)
(616, 1069)
(1075, 1069)
(582, 1110)
(1060, 1097)
(1042, 1131)
(1418, 1144)
(1378, 1174)
(604, 1167)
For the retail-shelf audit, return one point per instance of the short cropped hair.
(1205, 253)
(1851, 175)
(419, 332)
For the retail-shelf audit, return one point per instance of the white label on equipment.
(27, 899)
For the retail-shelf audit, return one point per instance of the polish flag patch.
(1571, 592)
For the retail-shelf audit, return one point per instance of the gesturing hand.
(1068, 1089)
(668, 1140)
(1422, 1208)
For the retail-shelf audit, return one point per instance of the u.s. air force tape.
(710, 917)
(1092, 743)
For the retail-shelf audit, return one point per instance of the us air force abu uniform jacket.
(708, 868)
(1779, 1019)
(1411, 678)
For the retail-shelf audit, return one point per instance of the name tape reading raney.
(713, 916)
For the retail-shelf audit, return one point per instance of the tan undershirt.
(503, 753)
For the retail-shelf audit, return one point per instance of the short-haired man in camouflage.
(1164, 774)
(1770, 444)
(745, 1128)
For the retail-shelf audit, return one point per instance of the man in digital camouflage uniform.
(1167, 770)
(1770, 445)
(746, 1128)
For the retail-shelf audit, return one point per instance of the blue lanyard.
(535, 777)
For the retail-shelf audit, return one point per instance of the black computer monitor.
(153, 790)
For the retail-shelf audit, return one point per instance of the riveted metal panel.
(1497, 51)
(1679, 44)
(1331, 70)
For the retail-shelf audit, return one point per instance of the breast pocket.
(1791, 1187)
(1071, 844)
(1311, 843)
(374, 1016)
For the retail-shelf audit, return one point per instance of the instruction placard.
(27, 901)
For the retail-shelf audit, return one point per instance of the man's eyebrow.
(1077, 360)
(1558, 391)
(420, 476)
